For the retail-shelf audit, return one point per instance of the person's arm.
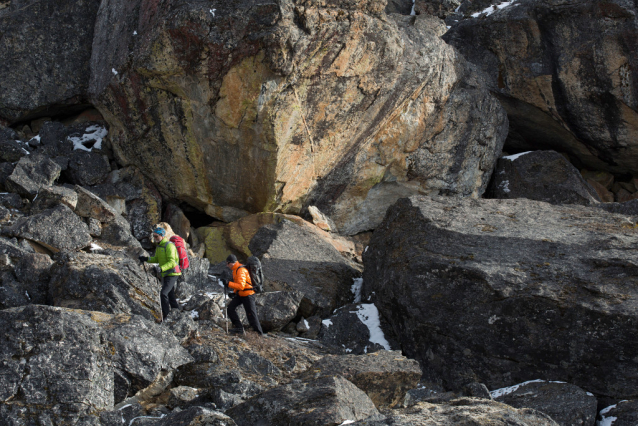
(241, 284)
(172, 258)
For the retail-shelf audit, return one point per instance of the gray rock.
(13, 249)
(181, 325)
(121, 416)
(226, 400)
(404, 7)
(504, 290)
(182, 396)
(385, 376)
(5, 214)
(197, 275)
(477, 390)
(628, 208)
(118, 233)
(256, 364)
(329, 400)
(346, 329)
(45, 63)
(52, 196)
(95, 227)
(90, 205)
(33, 271)
(31, 174)
(623, 413)
(274, 309)
(5, 171)
(55, 143)
(462, 412)
(543, 176)
(314, 327)
(56, 229)
(564, 95)
(293, 258)
(88, 168)
(202, 353)
(12, 150)
(12, 292)
(566, 404)
(194, 416)
(206, 375)
(52, 357)
(11, 201)
(175, 217)
(114, 284)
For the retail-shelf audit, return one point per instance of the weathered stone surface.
(11, 201)
(54, 366)
(123, 415)
(463, 412)
(326, 401)
(33, 271)
(629, 208)
(564, 403)
(194, 416)
(197, 274)
(498, 291)
(114, 284)
(182, 396)
(321, 220)
(13, 249)
(45, 63)
(31, 174)
(604, 195)
(52, 196)
(274, 309)
(118, 233)
(346, 329)
(5, 171)
(178, 221)
(337, 89)
(295, 259)
(314, 327)
(12, 150)
(566, 74)
(403, 7)
(624, 413)
(90, 205)
(88, 168)
(385, 376)
(95, 227)
(543, 176)
(12, 292)
(181, 325)
(56, 229)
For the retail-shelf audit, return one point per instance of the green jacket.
(167, 258)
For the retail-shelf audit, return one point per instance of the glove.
(158, 271)
(143, 258)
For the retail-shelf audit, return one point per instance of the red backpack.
(181, 253)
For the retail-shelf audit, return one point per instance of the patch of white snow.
(493, 8)
(326, 323)
(113, 71)
(506, 391)
(347, 422)
(134, 32)
(145, 417)
(194, 315)
(369, 315)
(93, 137)
(515, 156)
(505, 186)
(356, 289)
(212, 11)
(95, 247)
(413, 12)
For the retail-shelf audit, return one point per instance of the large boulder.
(44, 63)
(274, 309)
(385, 376)
(624, 413)
(57, 229)
(501, 291)
(566, 404)
(54, 366)
(194, 416)
(52, 196)
(294, 258)
(565, 72)
(112, 283)
(88, 168)
(325, 401)
(33, 271)
(462, 412)
(90, 205)
(543, 176)
(32, 173)
(366, 108)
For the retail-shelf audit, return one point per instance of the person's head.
(231, 260)
(158, 234)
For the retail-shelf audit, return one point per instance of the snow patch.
(305, 323)
(505, 186)
(145, 417)
(515, 156)
(493, 8)
(506, 391)
(356, 289)
(92, 138)
(212, 11)
(113, 71)
(326, 323)
(134, 32)
(369, 315)
(347, 422)
(413, 12)
(95, 247)
(194, 315)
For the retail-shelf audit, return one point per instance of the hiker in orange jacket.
(241, 285)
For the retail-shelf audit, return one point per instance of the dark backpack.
(182, 253)
(253, 266)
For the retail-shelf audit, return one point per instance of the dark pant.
(167, 296)
(251, 312)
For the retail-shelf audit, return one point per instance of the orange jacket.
(241, 283)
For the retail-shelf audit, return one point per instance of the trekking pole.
(225, 310)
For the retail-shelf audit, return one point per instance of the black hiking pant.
(251, 312)
(167, 295)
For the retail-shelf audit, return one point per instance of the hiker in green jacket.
(167, 258)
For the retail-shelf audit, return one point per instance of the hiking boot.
(237, 330)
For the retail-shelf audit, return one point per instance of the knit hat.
(160, 231)
(231, 258)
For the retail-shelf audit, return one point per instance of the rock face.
(497, 291)
(543, 176)
(295, 259)
(113, 283)
(56, 229)
(566, 404)
(44, 64)
(52, 358)
(565, 73)
(31, 174)
(346, 329)
(326, 401)
(385, 376)
(463, 412)
(625, 413)
(245, 89)
(274, 309)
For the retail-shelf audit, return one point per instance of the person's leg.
(234, 318)
(167, 286)
(172, 299)
(251, 313)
